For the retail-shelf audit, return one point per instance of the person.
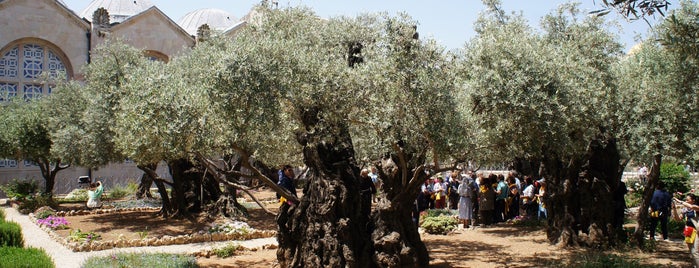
(660, 210)
(453, 191)
(428, 194)
(94, 193)
(689, 210)
(540, 196)
(366, 191)
(512, 200)
(286, 181)
(528, 203)
(440, 190)
(643, 173)
(486, 200)
(501, 195)
(374, 174)
(467, 193)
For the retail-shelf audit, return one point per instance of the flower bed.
(225, 232)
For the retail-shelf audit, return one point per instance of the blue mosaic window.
(55, 66)
(8, 163)
(21, 67)
(8, 63)
(7, 91)
(33, 91)
(33, 60)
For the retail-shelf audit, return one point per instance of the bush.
(20, 189)
(10, 235)
(120, 191)
(44, 212)
(141, 260)
(441, 224)
(76, 195)
(2, 214)
(675, 177)
(227, 251)
(32, 203)
(24, 257)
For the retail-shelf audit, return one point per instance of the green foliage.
(635, 195)
(228, 250)
(11, 235)
(14, 257)
(442, 224)
(44, 212)
(675, 177)
(20, 189)
(141, 260)
(2, 214)
(121, 191)
(34, 202)
(76, 195)
(84, 237)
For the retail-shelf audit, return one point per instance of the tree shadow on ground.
(447, 252)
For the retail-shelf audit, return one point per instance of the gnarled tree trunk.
(651, 184)
(325, 228)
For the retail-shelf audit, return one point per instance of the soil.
(499, 246)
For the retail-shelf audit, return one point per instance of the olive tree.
(545, 100)
(26, 134)
(660, 81)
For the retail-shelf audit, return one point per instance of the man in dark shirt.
(660, 204)
(286, 179)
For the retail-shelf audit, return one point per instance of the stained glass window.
(7, 91)
(8, 163)
(32, 91)
(8, 63)
(21, 67)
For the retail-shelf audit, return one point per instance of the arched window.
(22, 65)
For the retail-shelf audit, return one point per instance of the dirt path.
(501, 246)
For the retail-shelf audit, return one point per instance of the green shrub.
(2, 214)
(20, 189)
(44, 212)
(441, 224)
(121, 191)
(11, 235)
(24, 257)
(76, 195)
(675, 177)
(227, 251)
(32, 203)
(141, 260)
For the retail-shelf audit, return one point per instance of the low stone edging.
(145, 242)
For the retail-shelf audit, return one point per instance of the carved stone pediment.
(101, 17)
(203, 32)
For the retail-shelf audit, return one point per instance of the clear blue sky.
(448, 21)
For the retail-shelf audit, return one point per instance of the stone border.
(161, 241)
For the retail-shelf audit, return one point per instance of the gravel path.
(65, 258)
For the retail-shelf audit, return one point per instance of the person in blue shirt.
(286, 179)
(660, 210)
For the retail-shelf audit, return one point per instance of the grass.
(142, 260)
(228, 250)
(24, 257)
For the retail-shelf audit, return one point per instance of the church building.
(46, 36)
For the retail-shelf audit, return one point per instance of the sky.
(450, 22)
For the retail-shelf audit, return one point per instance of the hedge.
(13, 257)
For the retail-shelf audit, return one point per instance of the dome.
(119, 10)
(216, 19)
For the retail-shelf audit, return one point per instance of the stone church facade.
(46, 36)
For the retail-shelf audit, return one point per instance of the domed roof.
(216, 19)
(119, 10)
